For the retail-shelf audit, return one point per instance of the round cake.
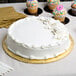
(37, 38)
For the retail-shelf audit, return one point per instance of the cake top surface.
(38, 32)
(59, 10)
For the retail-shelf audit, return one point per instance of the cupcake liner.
(34, 7)
(32, 11)
(62, 19)
(39, 11)
(73, 9)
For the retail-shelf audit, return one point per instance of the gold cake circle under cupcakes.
(38, 61)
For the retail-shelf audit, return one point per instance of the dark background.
(13, 1)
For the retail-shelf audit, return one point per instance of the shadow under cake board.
(67, 20)
(37, 14)
(70, 12)
(47, 9)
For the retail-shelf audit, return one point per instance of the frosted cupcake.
(59, 13)
(73, 6)
(32, 6)
(52, 4)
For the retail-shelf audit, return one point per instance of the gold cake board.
(38, 61)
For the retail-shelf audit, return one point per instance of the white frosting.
(37, 38)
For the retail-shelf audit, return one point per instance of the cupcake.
(32, 6)
(73, 6)
(52, 4)
(59, 13)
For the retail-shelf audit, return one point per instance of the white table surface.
(63, 67)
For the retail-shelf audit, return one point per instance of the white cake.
(38, 38)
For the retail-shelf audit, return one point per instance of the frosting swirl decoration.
(59, 10)
(32, 3)
(53, 2)
(60, 7)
